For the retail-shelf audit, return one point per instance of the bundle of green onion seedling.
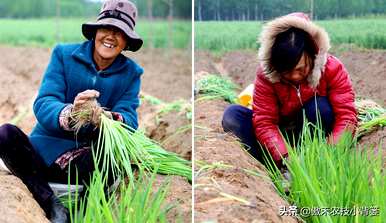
(370, 116)
(119, 146)
(214, 86)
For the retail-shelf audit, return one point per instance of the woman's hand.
(83, 97)
(96, 115)
(95, 111)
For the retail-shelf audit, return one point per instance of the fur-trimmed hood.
(281, 24)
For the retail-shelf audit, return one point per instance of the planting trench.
(167, 76)
(213, 145)
(162, 128)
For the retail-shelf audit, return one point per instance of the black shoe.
(58, 213)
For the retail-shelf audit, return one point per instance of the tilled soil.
(230, 194)
(179, 196)
(21, 70)
(17, 204)
(166, 129)
(173, 130)
(167, 76)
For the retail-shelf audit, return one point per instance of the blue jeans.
(238, 120)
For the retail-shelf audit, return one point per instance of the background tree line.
(267, 9)
(86, 8)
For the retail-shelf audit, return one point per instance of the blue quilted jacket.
(71, 71)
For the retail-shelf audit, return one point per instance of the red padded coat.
(275, 100)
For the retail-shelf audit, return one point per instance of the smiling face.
(300, 73)
(109, 43)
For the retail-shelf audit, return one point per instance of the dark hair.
(289, 47)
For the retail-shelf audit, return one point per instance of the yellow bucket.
(245, 97)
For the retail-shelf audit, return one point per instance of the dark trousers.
(24, 162)
(238, 120)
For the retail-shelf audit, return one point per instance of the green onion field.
(227, 36)
(44, 32)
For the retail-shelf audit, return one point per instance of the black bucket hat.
(118, 13)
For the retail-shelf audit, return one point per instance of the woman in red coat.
(296, 75)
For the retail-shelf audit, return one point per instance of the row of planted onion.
(343, 178)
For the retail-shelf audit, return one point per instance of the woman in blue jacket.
(77, 73)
